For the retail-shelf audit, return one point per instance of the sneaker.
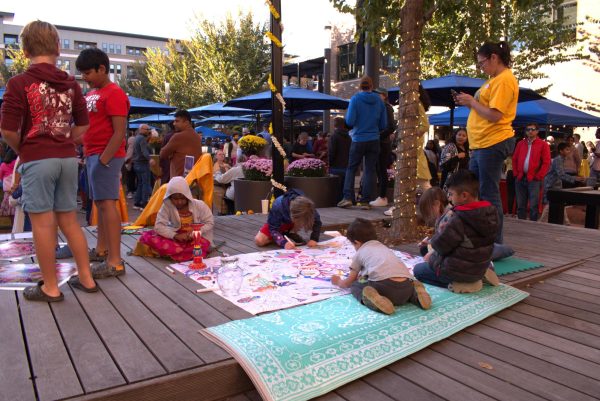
(364, 205)
(465, 288)
(104, 270)
(344, 203)
(130, 195)
(491, 277)
(422, 295)
(389, 212)
(95, 256)
(372, 300)
(379, 202)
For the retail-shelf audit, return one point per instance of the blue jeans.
(487, 165)
(143, 191)
(426, 274)
(528, 192)
(340, 172)
(370, 151)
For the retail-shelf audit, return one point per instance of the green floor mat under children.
(513, 265)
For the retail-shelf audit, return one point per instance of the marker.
(289, 240)
(170, 270)
(209, 289)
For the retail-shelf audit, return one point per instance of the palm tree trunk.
(404, 225)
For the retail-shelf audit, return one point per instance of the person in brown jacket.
(185, 142)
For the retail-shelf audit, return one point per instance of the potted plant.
(256, 184)
(252, 145)
(310, 176)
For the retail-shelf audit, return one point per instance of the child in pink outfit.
(6, 175)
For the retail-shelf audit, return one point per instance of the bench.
(588, 196)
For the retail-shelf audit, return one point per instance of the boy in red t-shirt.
(37, 111)
(104, 149)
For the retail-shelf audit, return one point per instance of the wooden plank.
(93, 363)
(546, 338)
(578, 287)
(120, 339)
(171, 352)
(573, 295)
(551, 316)
(210, 382)
(54, 375)
(174, 318)
(533, 364)
(503, 380)
(445, 387)
(583, 275)
(398, 387)
(542, 352)
(15, 378)
(358, 390)
(563, 309)
(541, 293)
(556, 329)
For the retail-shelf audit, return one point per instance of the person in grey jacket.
(172, 235)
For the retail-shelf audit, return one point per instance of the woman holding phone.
(489, 127)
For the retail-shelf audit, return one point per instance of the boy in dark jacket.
(462, 247)
(290, 213)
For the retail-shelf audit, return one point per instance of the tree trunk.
(404, 226)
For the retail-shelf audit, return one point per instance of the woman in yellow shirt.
(489, 127)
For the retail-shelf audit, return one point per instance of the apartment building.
(124, 49)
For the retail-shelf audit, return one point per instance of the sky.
(303, 20)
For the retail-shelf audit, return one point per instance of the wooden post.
(276, 107)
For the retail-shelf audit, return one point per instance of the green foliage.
(20, 64)
(455, 29)
(138, 85)
(218, 63)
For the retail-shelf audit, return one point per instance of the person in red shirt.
(104, 150)
(530, 162)
(38, 108)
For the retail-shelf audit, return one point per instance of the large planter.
(248, 194)
(324, 191)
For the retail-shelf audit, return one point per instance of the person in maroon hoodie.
(531, 161)
(104, 149)
(38, 108)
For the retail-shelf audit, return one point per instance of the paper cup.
(264, 203)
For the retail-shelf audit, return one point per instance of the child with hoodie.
(172, 234)
(43, 113)
(463, 243)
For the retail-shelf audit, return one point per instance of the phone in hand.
(454, 95)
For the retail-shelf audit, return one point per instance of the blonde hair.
(40, 38)
(302, 212)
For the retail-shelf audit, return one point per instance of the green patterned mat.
(310, 350)
(513, 265)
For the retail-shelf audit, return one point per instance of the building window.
(568, 13)
(64, 65)
(390, 63)
(105, 47)
(347, 62)
(117, 48)
(135, 51)
(84, 45)
(66, 44)
(11, 41)
(111, 48)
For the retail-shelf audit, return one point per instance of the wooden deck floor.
(138, 338)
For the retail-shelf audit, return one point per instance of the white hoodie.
(168, 221)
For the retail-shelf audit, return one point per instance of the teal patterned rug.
(310, 350)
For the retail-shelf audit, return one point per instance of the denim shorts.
(49, 185)
(104, 181)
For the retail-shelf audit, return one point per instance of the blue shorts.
(49, 185)
(104, 181)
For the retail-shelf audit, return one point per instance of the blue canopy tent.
(225, 120)
(137, 125)
(211, 133)
(142, 106)
(296, 99)
(155, 118)
(543, 112)
(2, 90)
(438, 90)
(218, 109)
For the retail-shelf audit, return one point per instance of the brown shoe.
(422, 295)
(372, 300)
(465, 288)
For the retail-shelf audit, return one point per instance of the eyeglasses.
(480, 63)
(530, 129)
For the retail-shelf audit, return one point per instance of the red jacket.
(539, 160)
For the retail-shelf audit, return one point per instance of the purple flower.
(309, 167)
(258, 169)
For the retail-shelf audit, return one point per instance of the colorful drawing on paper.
(15, 250)
(282, 279)
(18, 276)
